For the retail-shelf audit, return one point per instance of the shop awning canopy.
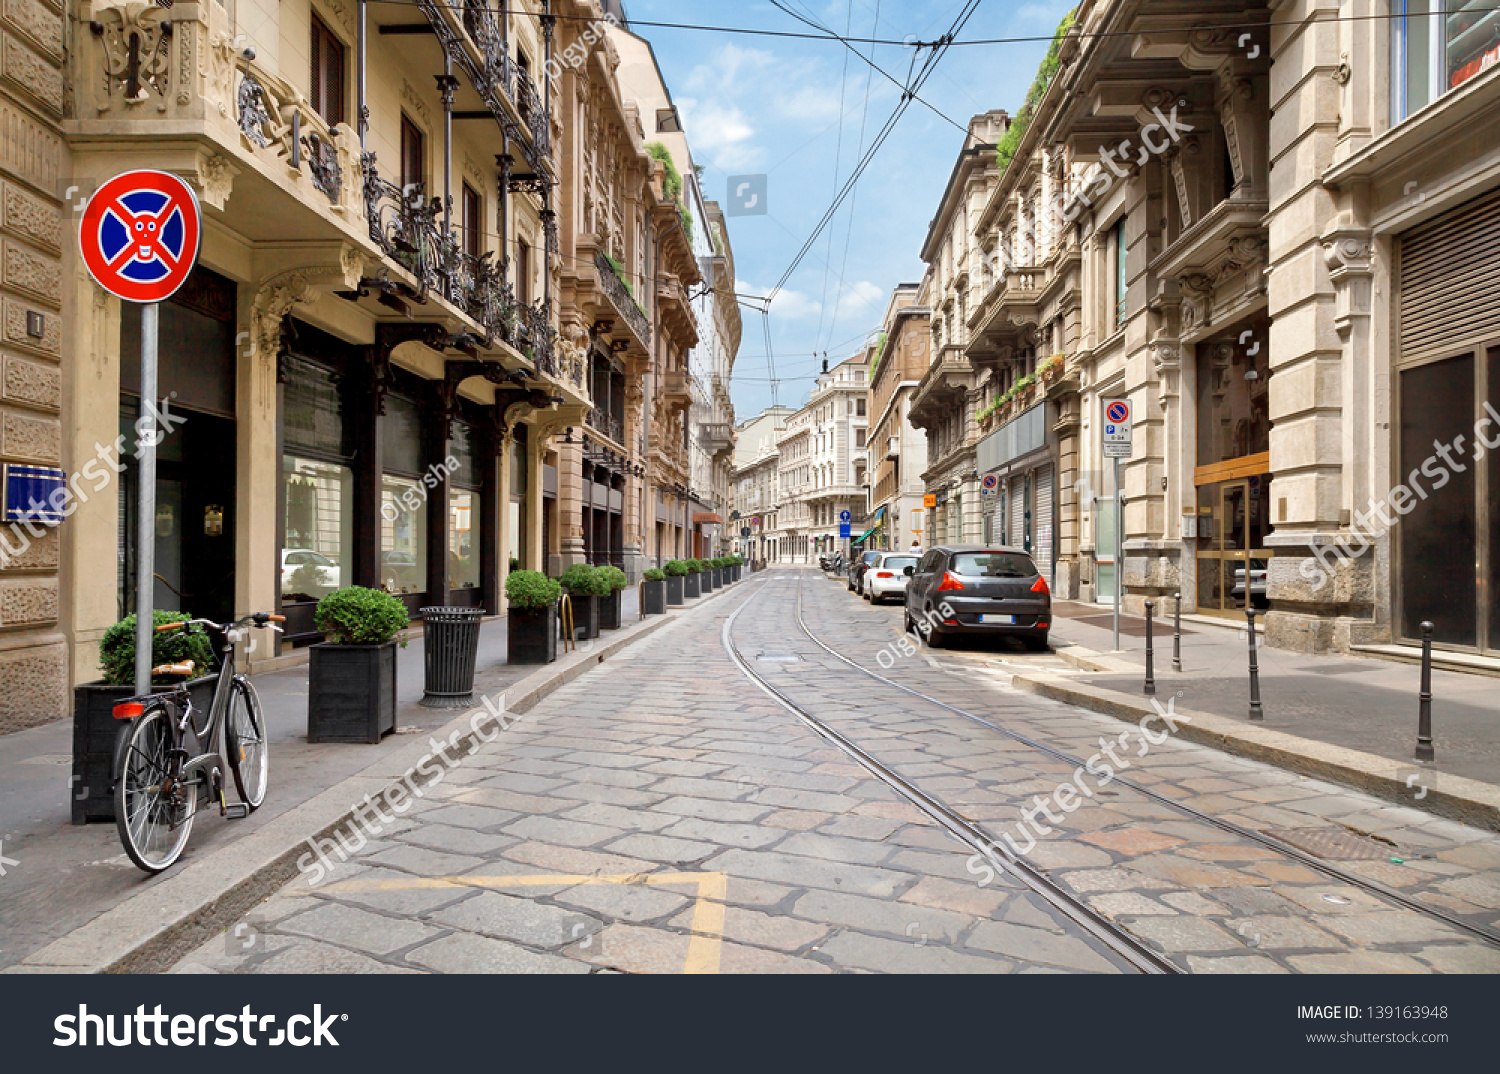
(860, 540)
(707, 517)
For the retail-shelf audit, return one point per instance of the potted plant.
(584, 586)
(531, 628)
(351, 676)
(654, 593)
(692, 581)
(736, 565)
(609, 604)
(676, 571)
(716, 569)
(708, 581)
(95, 729)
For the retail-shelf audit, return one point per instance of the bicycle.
(166, 766)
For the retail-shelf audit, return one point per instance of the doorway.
(1232, 523)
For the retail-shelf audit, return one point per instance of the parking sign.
(1116, 428)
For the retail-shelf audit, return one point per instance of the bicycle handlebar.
(259, 619)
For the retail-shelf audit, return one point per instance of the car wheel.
(907, 626)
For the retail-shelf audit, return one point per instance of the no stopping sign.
(140, 235)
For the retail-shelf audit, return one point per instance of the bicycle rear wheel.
(153, 821)
(245, 741)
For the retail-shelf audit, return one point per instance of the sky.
(803, 113)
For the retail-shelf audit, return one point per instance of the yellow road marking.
(707, 929)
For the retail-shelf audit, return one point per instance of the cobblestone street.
(663, 814)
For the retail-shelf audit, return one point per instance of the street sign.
(845, 516)
(139, 240)
(1116, 429)
(987, 486)
(844, 528)
(755, 521)
(929, 499)
(140, 235)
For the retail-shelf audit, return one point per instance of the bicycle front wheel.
(153, 814)
(245, 741)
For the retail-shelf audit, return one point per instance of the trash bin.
(450, 640)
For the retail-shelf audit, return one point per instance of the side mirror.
(909, 571)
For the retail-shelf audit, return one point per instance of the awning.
(707, 517)
(858, 540)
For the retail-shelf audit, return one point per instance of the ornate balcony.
(717, 437)
(621, 299)
(604, 423)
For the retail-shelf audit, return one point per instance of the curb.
(1457, 798)
(148, 932)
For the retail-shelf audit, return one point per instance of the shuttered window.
(1450, 277)
(327, 74)
(472, 220)
(411, 153)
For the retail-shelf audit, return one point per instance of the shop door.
(1232, 558)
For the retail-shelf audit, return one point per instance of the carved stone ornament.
(136, 56)
(215, 179)
(254, 120)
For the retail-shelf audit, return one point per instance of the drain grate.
(1333, 845)
(778, 658)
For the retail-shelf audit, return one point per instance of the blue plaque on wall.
(28, 492)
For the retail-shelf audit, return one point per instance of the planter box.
(531, 635)
(707, 583)
(675, 587)
(609, 611)
(585, 616)
(692, 586)
(654, 597)
(736, 569)
(351, 692)
(94, 733)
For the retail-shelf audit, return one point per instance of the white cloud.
(788, 304)
(859, 295)
(720, 134)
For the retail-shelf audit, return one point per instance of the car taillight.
(884, 574)
(1040, 586)
(950, 581)
(127, 710)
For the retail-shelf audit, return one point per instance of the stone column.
(536, 449)
(257, 537)
(572, 498)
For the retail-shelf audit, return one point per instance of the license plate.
(1004, 620)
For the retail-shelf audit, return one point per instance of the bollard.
(1150, 669)
(1256, 712)
(1177, 634)
(1424, 703)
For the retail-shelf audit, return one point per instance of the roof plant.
(1005, 149)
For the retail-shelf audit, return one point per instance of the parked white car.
(307, 572)
(886, 577)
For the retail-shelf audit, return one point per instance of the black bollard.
(1424, 704)
(1256, 712)
(1177, 634)
(1150, 670)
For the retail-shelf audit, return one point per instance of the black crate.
(95, 731)
(351, 692)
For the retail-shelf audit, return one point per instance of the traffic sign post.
(1116, 428)
(139, 240)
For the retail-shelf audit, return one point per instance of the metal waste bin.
(450, 642)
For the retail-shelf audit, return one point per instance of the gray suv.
(988, 589)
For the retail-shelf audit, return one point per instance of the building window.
(523, 272)
(327, 81)
(412, 153)
(859, 408)
(473, 217)
(1433, 51)
(859, 438)
(1120, 284)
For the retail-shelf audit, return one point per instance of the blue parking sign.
(843, 529)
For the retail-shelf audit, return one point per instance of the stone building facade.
(898, 449)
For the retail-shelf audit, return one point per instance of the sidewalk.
(1343, 703)
(67, 875)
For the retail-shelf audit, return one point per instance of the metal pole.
(1150, 666)
(1119, 548)
(145, 523)
(1177, 634)
(362, 117)
(1256, 712)
(1424, 705)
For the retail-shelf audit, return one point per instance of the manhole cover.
(49, 758)
(1333, 845)
(778, 658)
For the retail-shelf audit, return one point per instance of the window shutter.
(333, 85)
(1450, 275)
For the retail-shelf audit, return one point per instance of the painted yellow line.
(707, 929)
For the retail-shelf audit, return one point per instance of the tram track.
(1130, 949)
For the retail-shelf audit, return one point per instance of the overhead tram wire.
(914, 83)
(838, 154)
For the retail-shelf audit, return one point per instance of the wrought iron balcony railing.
(602, 421)
(407, 225)
(529, 103)
(623, 302)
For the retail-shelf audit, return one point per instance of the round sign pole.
(139, 239)
(145, 522)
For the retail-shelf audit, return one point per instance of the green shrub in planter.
(655, 575)
(615, 578)
(582, 580)
(117, 648)
(531, 590)
(356, 615)
(676, 568)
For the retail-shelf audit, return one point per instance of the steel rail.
(1373, 887)
(1120, 942)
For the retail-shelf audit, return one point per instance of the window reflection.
(318, 538)
(463, 562)
(403, 534)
